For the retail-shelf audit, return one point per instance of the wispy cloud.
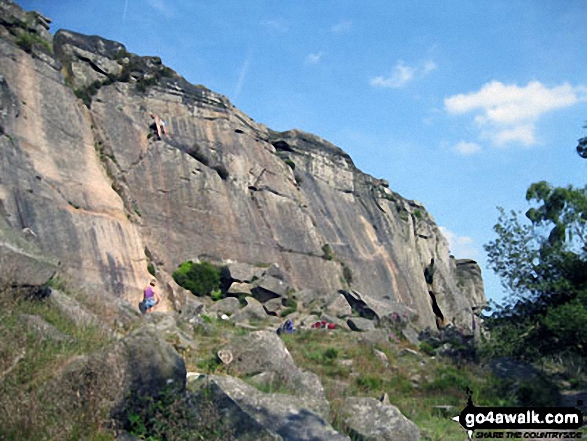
(314, 58)
(341, 27)
(460, 246)
(467, 148)
(403, 74)
(276, 26)
(509, 113)
(125, 9)
(162, 7)
(242, 74)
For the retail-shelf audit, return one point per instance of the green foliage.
(331, 353)
(151, 269)
(28, 41)
(171, 416)
(448, 377)
(199, 278)
(216, 295)
(328, 254)
(427, 348)
(86, 93)
(290, 306)
(418, 214)
(543, 263)
(29, 408)
(25, 41)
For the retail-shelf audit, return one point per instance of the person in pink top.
(150, 297)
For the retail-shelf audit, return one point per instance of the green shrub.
(331, 353)
(369, 383)
(328, 254)
(151, 269)
(199, 278)
(26, 42)
(216, 295)
(172, 416)
(291, 306)
(427, 348)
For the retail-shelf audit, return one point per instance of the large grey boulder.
(260, 416)
(228, 305)
(339, 307)
(253, 311)
(264, 351)
(244, 272)
(238, 288)
(87, 59)
(140, 365)
(369, 419)
(270, 287)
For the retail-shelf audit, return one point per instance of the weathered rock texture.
(105, 197)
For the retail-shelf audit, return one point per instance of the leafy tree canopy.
(542, 260)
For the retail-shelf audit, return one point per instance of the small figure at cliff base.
(150, 298)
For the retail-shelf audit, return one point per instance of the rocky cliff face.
(82, 171)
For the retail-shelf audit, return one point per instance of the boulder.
(244, 272)
(273, 306)
(237, 288)
(166, 326)
(260, 416)
(141, 364)
(411, 335)
(270, 287)
(360, 324)
(339, 307)
(75, 310)
(377, 336)
(340, 323)
(367, 306)
(228, 305)
(44, 330)
(264, 351)
(253, 311)
(381, 357)
(371, 420)
(265, 380)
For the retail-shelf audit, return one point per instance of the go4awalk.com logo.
(520, 422)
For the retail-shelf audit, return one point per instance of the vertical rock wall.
(101, 192)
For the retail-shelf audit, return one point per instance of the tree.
(542, 261)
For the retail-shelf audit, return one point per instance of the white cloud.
(162, 7)
(342, 26)
(242, 75)
(460, 246)
(509, 113)
(429, 66)
(276, 25)
(467, 148)
(314, 58)
(403, 74)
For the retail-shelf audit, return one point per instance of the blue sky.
(460, 105)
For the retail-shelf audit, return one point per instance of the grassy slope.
(346, 364)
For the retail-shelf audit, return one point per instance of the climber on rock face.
(150, 297)
(160, 125)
